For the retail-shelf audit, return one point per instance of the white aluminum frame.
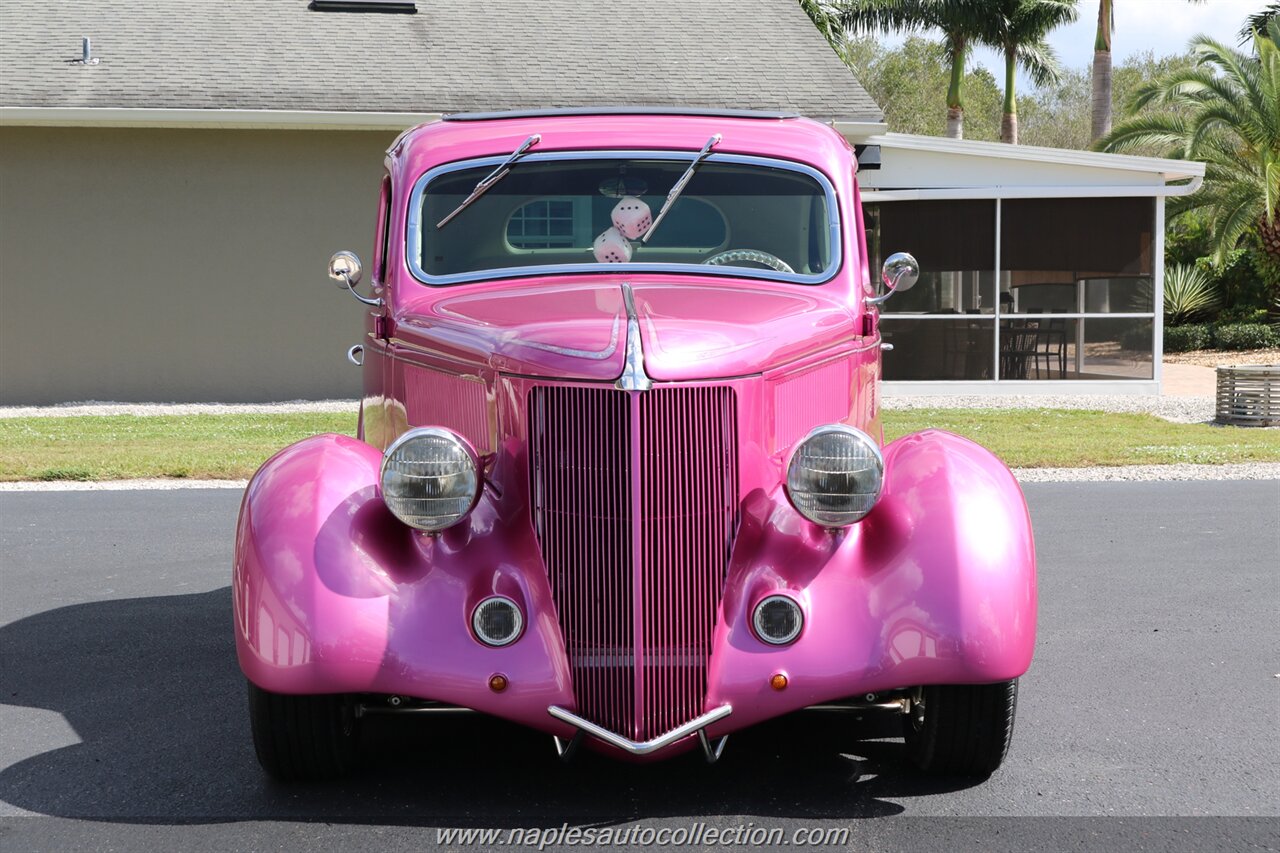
(996, 385)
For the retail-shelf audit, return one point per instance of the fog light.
(778, 620)
(497, 621)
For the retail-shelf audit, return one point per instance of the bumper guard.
(696, 726)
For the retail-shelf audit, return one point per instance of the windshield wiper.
(492, 178)
(679, 186)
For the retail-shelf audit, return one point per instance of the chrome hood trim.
(633, 376)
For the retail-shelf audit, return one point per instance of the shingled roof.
(448, 57)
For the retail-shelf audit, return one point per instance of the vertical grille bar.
(688, 447)
(634, 500)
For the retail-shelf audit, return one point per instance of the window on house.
(548, 223)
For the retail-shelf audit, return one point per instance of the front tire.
(962, 729)
(302, 738)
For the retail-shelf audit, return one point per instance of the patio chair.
(1018, 348)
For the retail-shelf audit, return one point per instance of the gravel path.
(1183, 410)
(93, 407)
(1131, 473)
(1212, 358)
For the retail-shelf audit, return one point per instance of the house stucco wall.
(180, 265)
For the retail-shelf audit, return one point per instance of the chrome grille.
(634, 500)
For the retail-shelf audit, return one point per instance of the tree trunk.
(955, 89)
(1101, 124)
(1009, 121)
(1269, 234)
(1009, 128)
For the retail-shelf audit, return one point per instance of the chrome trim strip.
(413, 223)
(633, 377)
(636, 748)
(594, 355)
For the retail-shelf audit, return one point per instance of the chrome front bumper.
(696, 726)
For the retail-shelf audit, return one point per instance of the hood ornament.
(633, 377)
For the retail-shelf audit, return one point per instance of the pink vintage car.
(619, 475)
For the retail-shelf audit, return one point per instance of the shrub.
(1187, 338)
(1237, 279)
(1239, 314)
(1189, 294)
(1245, 336)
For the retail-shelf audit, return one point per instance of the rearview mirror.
(900, 272)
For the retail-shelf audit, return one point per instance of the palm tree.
(1018, 29)
(962, 23)
(1101, 78)
(1233, 125)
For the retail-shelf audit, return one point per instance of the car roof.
(616, 111)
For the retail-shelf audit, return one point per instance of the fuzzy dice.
(631, 217)
(612, 248)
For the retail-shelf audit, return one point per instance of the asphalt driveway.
(1155, 692)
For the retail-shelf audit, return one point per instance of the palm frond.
(1235, 217)
(1259, 21)
(1155, 129)
(1040, 61)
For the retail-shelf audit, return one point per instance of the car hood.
(578, 330)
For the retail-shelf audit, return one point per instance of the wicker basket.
(1249, 395)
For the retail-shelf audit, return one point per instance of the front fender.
(936, 585)
(333, 594)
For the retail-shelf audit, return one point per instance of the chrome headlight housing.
(430, 478)
(834, 475)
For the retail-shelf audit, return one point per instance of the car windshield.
(555, 212)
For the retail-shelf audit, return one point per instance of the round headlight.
(430, 478)
(497, 621)
(777, 620)
(834, 475)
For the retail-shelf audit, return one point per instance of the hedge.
(1187, 338)
(1235, 336)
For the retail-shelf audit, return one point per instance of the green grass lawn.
(233, 446)
(1060, 438)
(119, 447)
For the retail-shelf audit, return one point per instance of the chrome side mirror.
(345, 269)
(900, 272)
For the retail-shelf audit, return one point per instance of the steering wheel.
(755, 256)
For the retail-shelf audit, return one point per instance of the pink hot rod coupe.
(618, 474)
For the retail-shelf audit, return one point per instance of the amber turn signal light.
(778, 681)
(497, 683)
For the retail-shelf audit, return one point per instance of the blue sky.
(1162, 26)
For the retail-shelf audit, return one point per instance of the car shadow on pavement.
(152, 690)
